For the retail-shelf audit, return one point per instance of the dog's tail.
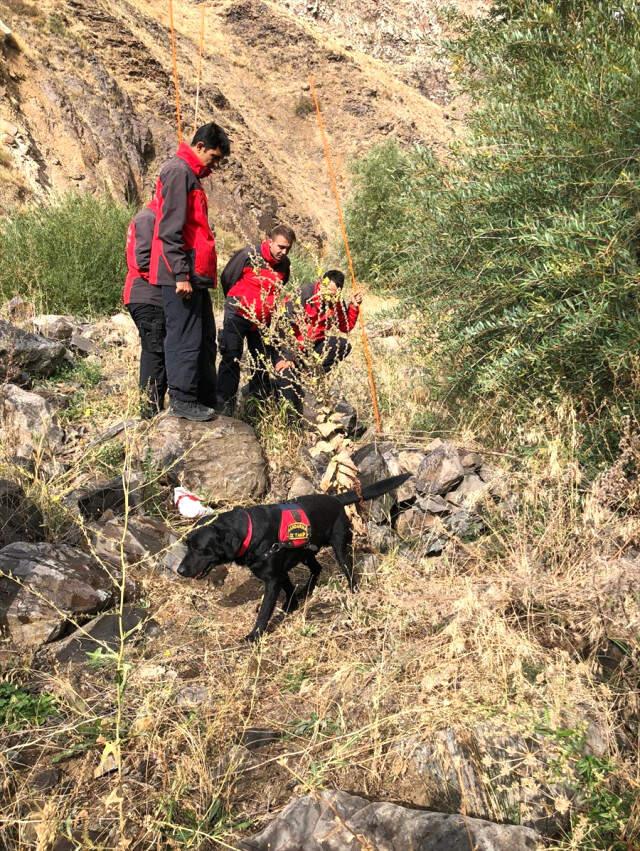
(373, 491)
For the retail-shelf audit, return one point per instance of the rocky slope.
(87, 97)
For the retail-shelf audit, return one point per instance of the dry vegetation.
(532, 629)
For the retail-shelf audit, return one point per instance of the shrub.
(68, 255)
(522, 248)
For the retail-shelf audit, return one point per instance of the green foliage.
(20, 708)
(68, 256)
(522, 248)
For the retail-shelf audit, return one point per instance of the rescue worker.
(144, 303)
(252, 281)
(319, 308)
(183, 265)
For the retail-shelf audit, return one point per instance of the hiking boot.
(191, 411)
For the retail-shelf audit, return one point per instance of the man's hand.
(357, 297)
(283, 364)
(184, 289)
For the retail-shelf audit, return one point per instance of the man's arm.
(347, 315)
(143, 224)
(172, 220)
(232, 272)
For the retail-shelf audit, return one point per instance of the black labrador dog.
(271, 539)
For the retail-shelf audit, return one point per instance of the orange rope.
(176, 82)
(356, 287)
(201, 52)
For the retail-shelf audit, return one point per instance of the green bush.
(522, 247)
(68, 256)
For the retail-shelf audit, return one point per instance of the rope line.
(200, 54)
(356, 287)
(176, 81)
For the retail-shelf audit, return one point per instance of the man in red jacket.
(183, 265)
(144, 303)
(252, 282)
(319, 308)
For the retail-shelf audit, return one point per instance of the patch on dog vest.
(295, 528)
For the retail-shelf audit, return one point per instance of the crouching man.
(252, 282)
(317, 310)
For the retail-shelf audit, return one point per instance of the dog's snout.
(182, 571)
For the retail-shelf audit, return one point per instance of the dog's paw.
(252, 637)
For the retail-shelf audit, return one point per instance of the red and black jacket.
(183, 247)
(137, 289)
(252, 281)
(313, 316)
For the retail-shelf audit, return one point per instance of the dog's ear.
(204, 541)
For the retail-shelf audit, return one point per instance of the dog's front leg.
(271, 591)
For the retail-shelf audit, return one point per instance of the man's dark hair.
(212, 136)
(283, 230)
(336, 276)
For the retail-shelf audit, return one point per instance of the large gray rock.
(336, 821)
(372, 467)
(43, 585)
(440, 471)
(103, 633)
(28, 423)
(221, 460)
(55, 326)
(24, 355)
(143, 538)
(20, 518)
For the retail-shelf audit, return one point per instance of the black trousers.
(288, 382)
(149, 319)
(235, 330)
(190, 346)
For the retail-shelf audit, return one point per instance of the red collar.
(247, 538)
(266, 253)
(185, 153)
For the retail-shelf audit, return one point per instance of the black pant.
(288, 382)
(235, 330)
(190, 346)
(149, 319)
(332, 350)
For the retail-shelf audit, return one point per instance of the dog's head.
(205, 550)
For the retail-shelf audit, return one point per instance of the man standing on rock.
(183, 265)
(252, 281)
(144, 303)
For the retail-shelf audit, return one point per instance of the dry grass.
(511, 631)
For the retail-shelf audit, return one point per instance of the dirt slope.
(88, 100)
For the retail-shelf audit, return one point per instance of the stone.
(440, 471)
(407, 490)
(193, 695)
(143, 539)
(464, 524)
(55, 326)
(24, 356)
(347, 417)
(433, 504)
(29, 425)
(103, 633)
(372, 468)
(469, 491)
(300, 487)
(43, 585)
(255, 738)
(414, 522)
(410, 461)
(470, 460)
(338, 821)
(20, 518)
(82, 344)
(19, 308)
(221, 461)
(109, 496)
(173, 557)
(381, 538)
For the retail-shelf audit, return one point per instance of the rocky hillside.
(87, 97)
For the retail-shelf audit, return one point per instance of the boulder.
(407, 490)
(337, 821)
(413, 523)
(470, 490)
(20, 518)
(24, 356)
(55, 326)
(440, 471)
(221, 461)
(464, 524)
(109, 496)
(103, 633)
(144, 538)
(43, 585)
(529, 772)
(28, 422)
